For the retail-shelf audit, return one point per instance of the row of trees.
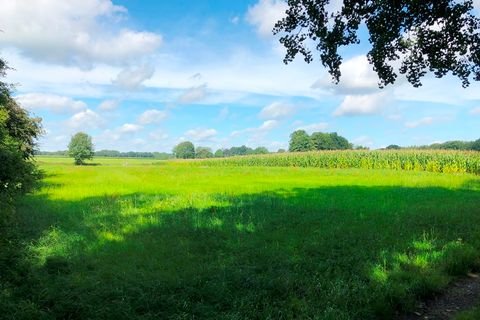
(187, 150)
(113, 154)
(302, 141)
(448, 145)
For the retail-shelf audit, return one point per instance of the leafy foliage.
(300, 141)
(203, 153)
(184, 150)
(81, 148)
(439, 36)
(18, 133)
(329, 141)
(476, 145)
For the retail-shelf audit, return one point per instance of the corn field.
(412, 160)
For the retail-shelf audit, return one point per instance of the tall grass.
(410, 160)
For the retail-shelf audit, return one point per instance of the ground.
(148, 239)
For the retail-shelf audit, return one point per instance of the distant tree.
(438, 36)
(361, 148)
(219, 153)
(476, 145)
(339, 142)
(203, 153)
(281, 150)
(260, 150)
(329, 141)
(80, 148)
(184, 150)
(393, 147)
(300, 141)
(322, 141)
(162, 155)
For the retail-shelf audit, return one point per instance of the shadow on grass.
(328, 253)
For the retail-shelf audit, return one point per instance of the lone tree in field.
(184, 150)
(439, 36)
(81, 148)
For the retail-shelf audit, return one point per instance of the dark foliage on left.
(18, 134)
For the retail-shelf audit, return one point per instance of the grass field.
(169, 240)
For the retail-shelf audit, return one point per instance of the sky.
(146, 75)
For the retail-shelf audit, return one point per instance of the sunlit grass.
(152, 239)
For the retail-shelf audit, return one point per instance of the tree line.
(112, 154)
(300, 141)
(448, 145)
(187, 150)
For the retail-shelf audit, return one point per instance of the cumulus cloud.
(361, 105)
(265, 127)
(158, 135)
(152, 116)
(200, 134)
(475, 111)
(129, 128)
(70, 32)
(133, 78)
(314, 127)
(109, 105)
(277, 110)
(418, 123)
(50, 102)
(194, 94)
(364, 141)
(357, 77)
(264, 14)
(85, 119)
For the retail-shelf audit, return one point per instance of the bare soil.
(460, 296)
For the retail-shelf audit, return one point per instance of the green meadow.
(146, 239)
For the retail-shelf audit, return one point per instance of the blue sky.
(145, 75)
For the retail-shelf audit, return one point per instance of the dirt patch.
(462, 295)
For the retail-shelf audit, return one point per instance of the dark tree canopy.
(18, 134)
(438, 36)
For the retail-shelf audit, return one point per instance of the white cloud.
(133, 78)
(264, 14)
(361, 105)
(200, 134)
(314, 127)
(51, 102)
(277, 110)
(421, 122)
(475, 111)
(109, 105)
(158, 135)
(152, 116)
(85, 120)
(129, 128)
(73, 32)
(268, 125)
(265, 127)
(194, 94)
(357, 77)
(364, 141)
